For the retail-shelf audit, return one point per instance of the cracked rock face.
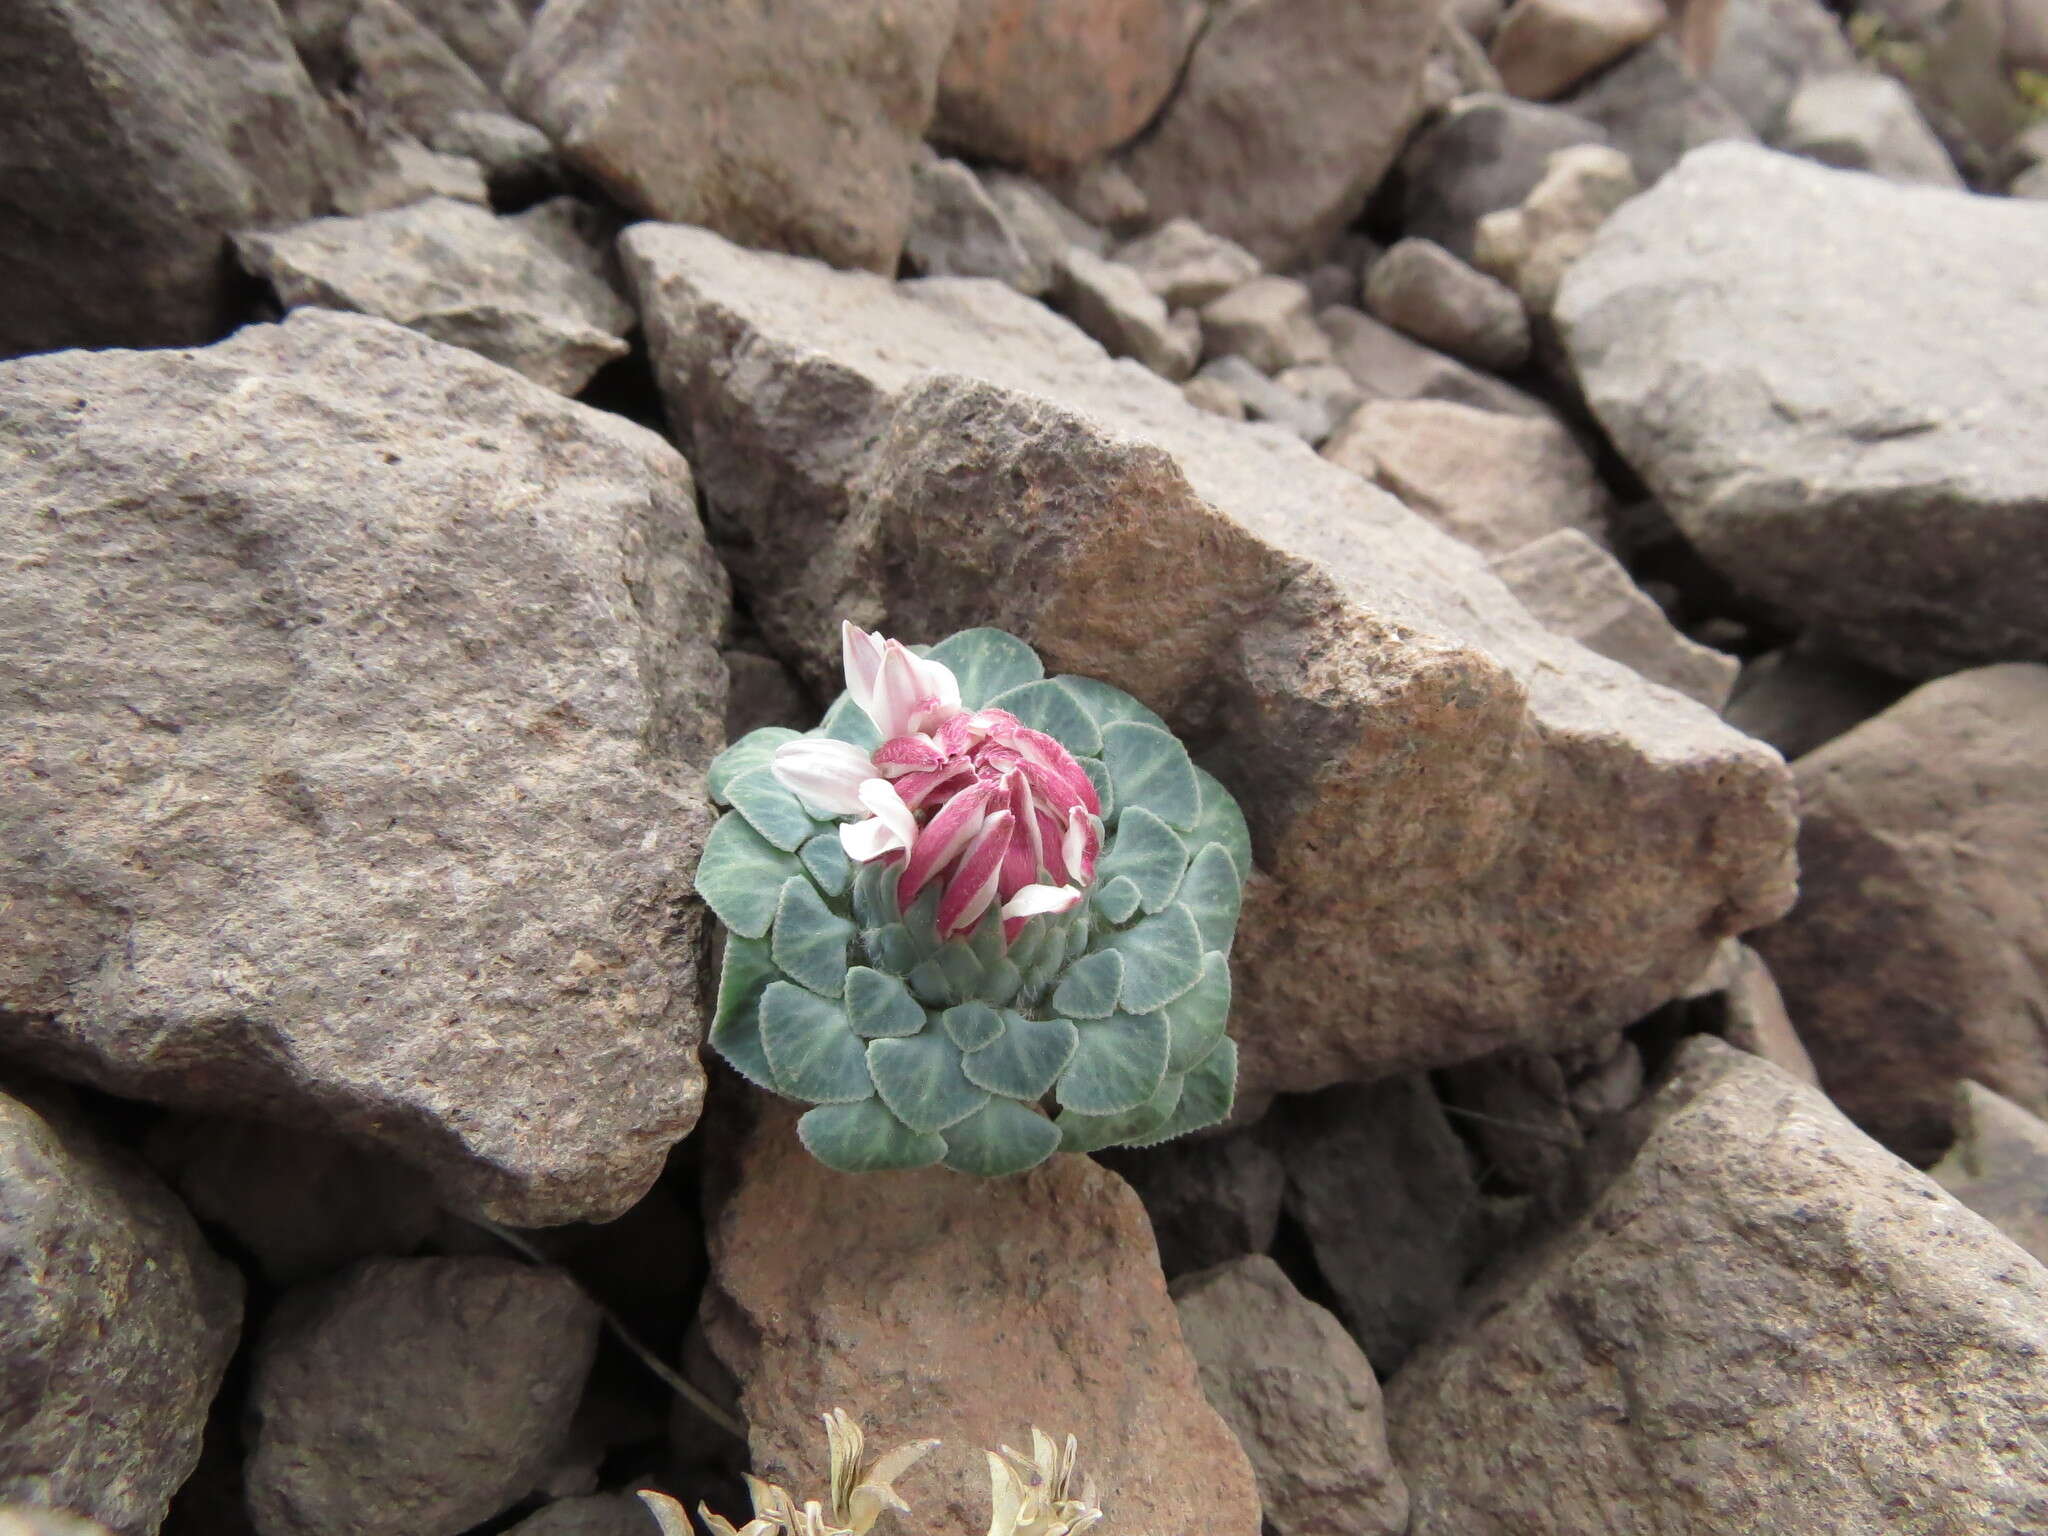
(355, 695)
(1475, 833)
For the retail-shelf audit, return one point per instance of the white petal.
(861, 654)
(1035, 899)
(825, 774)
(940, 683)
(880, 797)
(865, 840)
(1075, 842)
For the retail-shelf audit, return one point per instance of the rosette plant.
(979, 915)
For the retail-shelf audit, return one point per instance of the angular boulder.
(116, 1322)
(1767, 1323)
(922, 1301)
(359, 691)
(1817, 373)
(1999, 1166)
(1477, 833)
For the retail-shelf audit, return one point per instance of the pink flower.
(975, 800)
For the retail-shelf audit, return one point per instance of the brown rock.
(1300, 1397)
(1750, 1012)
(1918, 953)
(1801, 698)
(797, 136)
(1388, 366)
(1268, 322)
(116, 1322)
(1186, 265)
(1049, 84)
(1421, 289)
(1210, 1198)
(1289, 113)
(1494, 481)
(1999, 1166)
(1767, 1323)
(939, 1305)
(1110, 302)
(358, 688)
(1468, 810)
(1543, 48)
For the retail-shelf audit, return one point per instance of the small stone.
(1110, 302)
(1421, 289)
(1530, 248)
(1300, 1397)
(1753, 1016)
(1045, 225)
(1485, 153)
(413, 1397)
(1266, 399)
(1859, 121)
(1327, 387)
(1543, 48)
(32, 1520)
(1211, 1198)
(1497, 482)
(1268, 321)
(2032, 183)
(1388, 366)
(1654, 110)
(402, 171)
(1801, 698)
(1766, 49)
(1578, 589)
(1186, 265)
(1998, 1166)
(1210, 392)
(518, 161)
(958, 230)
(1515, 1108)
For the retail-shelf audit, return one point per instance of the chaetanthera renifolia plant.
(977, 916)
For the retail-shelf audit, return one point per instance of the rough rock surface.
(601, 1514)
(1266, 399)
(1496, 482)
(1300, 1397)
(413, 1397)
(1543, 48)
(1422, 290)
(1485, 153)
(1653, 110)
(357, 686)
(1815, 371)
(1800, 698)
(1186, 265)
(400, 170)
(138, 133)
(1767, 1323)
(116, 1322)
(1999, 1166)
(1268, 321)
(1469, 813)
(1918, 954)
(1050, 84)
(499, 286)
(1210, 1198)
(1767, 50)
(1866, 122)
(1578, 589)
(926, 1298)
(1289, 113)
(794, 137)
(958, 230)
(1110, 302)
(1531, 247)
(1388, 366)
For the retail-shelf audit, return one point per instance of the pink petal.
(917, 788)
(1051, 847)
(897, 691)
(1047, 752)
(825, 774)
(942, 838)
(909, 754)
(1080, 845)
(973, 886)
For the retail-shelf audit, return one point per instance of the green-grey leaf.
(1026, 1059)
(771, 810)
(890, 949)
(951, 975)
(1205, 1097)
(811, 939)
(1002, 1137)
(1023, 953)
(751, 751)
(874, 893)
(1105, 704)
(865, 1138)
(1105, 791)
(741, 876)
(1199, 1015)
(1162, 958)
(1146, 852)
(987, 662)
(879, 1006)
(1091, 1133)
(972, 1025)
(1118, 1065)
(1047, 707)
(921, 1081)
(1090, 987)
(827, 861)
(1222, 821)
(1150, 768)
(736, 1026)
(847, 721)
(987, 940)
(811, 1046)
(1211, 894)
(1000, 983)
(1116, 899)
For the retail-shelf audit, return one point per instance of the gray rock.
(814, 155)
(761, 691)
(1486, 153)
(1753, 1016)
(1496, 482)
(138, 135)
(1289, 113)
(1388, 366)
(1800, 698)
(1998, 1166)
(452, 271)
(2031, 184)
(601, 1514)
(401, 170)
(1531, 247)
(1186, 265)
(413, 1397)
(1654, 110)
(1767, 49)
(30, 1520)
(1211, 1198)
(404, 74)
(1543, 48)
(299, 1204)
(116, 1322)
(1516, 1111)
(516, 156)
(1300, 1397)
(1332, 391)
(1268, 321)
(485, 33)
(1423, 291)
(1050, 84)
(858, 466)
(1918, 955)
(1865, 122)
(1767, 1323)
(958, 230)
(1041, 222)
(1814, 370)
(1110, 302)
(1213, 394)
(1264, 399)
(1578, 589)
(372, 778)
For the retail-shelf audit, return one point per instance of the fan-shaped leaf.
(827, 862)
(736, 1026)
(741, 876)
(1162, 958)
(1150, 768)
(1091, 1133)
(1118, 1064)
(921, 1081)
(1221, 821)
(847, 721)
(1211, 893)
(1206, 1095)
(1116, 899)
(880, 1007)
(771, 810)
(751, 751)
(811, 1046)
(1090, 987)
(1146, 852)
(864, 1137)
(811, 939)
(1002, 1137)
(1025, 1060)
(1047, 707)
(1199, 1015)
(1105, 704)
(987, 662)
(972, 1025)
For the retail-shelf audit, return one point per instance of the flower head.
(994, 811)
(1038, 1497)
